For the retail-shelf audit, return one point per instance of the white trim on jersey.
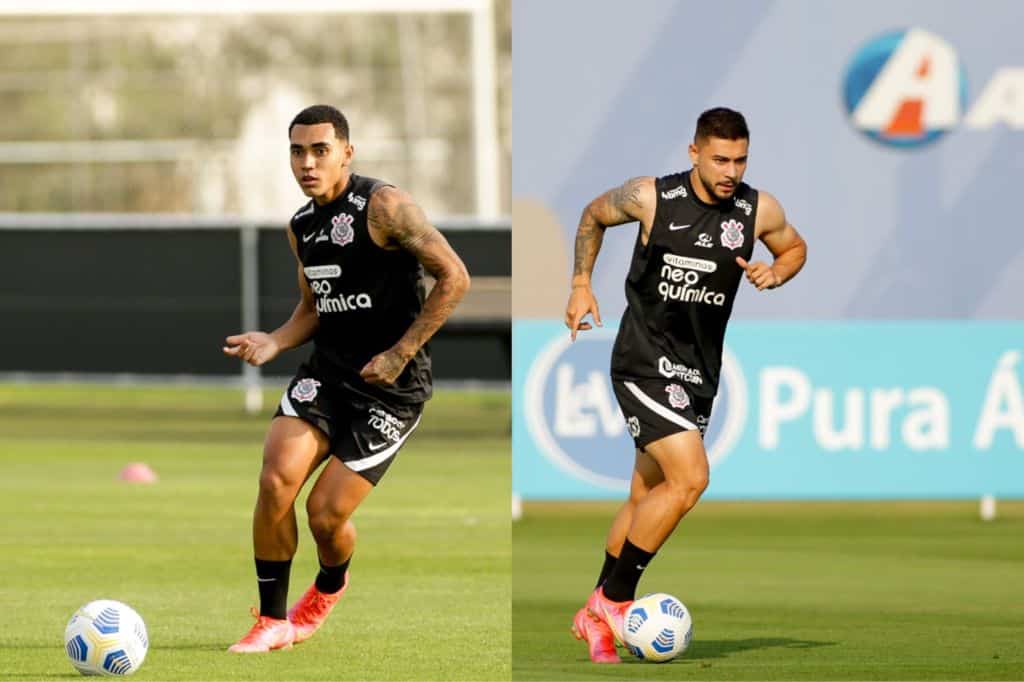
(286, 405)
(306, 211)
(374, 460)
(658, 408)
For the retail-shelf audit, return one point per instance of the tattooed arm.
(393, 216)
(634, 200)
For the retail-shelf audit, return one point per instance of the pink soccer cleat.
(611, 613)
(267, 634)
(312, 609)
(599, 637)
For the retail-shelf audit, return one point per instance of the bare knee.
(686, 492)
(277, 488)
(326, 525)
(636, 495)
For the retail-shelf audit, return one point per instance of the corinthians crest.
(633, 424)
(677, 397)
(305, 390)
(732, 234)
(341, 230)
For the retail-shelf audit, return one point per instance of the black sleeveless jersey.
(366, 297)
(682, 284)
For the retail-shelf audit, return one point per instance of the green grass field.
(811, 591)
(430, 590)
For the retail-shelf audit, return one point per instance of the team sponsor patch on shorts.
(305, 390)
(633, 424)
(387, 424)
(677, 396)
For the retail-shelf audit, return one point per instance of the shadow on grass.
(720, 648)
(701, 652)
(705, 649)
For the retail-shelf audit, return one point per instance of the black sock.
(609, 563)
(621, 582)
(272, 578)
(330, 579)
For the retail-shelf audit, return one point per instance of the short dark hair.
(721, 122)
(322, 113)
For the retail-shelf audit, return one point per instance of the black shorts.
(364, 433)
(655, 408)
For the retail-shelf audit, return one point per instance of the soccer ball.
(657, 627)
(106, 637)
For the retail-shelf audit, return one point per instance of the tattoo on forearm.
(405, 223)
(614, 207)
(589, 236)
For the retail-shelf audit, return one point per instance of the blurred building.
(188, 113)
(114, 121)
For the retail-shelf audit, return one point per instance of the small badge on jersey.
(677, 397)
(341, 230)
(743, 205)
(704, 241)
(305, 390)
(360, 202)
(322, 271)
(633, 424)
(674, 193)
(732, 234)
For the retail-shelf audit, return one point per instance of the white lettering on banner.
(787, 394)
(773, 411)
(882, 404)
(1004, 404)
(579, 408)
(851, 436)
(926, 428)
(1002, 101)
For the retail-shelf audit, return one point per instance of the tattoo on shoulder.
(398, 216)
(629, 193)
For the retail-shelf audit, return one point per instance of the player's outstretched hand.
(256, 348)
(760, 274)
(581, 303)
(383, 368)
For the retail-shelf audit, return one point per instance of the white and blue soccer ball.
(657, 627)
(106, 637)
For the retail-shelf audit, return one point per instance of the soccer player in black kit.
(696, 238)
(361, 246)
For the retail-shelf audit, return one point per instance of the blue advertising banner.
(844, 410)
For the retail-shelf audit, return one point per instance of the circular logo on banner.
(573, 416)
(905, 88)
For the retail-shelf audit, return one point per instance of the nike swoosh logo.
(265, 580)
(378, 446)
(307, 237)
(674, 227)
(640, 568)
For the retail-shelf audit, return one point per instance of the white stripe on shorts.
(286, 405)
(373, 460)
(658, 408)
